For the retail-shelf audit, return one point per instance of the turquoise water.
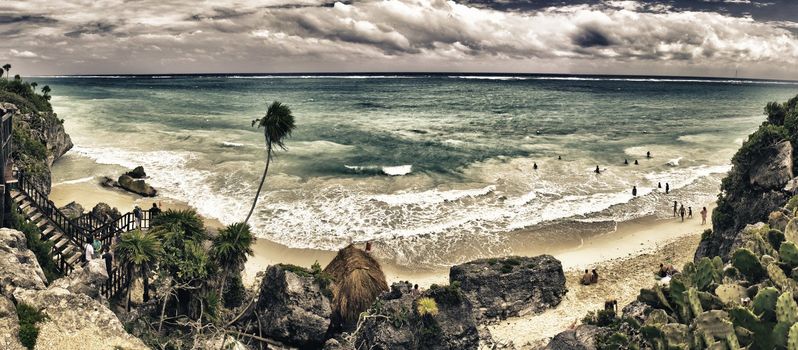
(436, 169)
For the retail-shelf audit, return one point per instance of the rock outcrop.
(774, 171)
(293, 308)
(84, 279)
(137, 186)
(105, 213)
(395, 323)
(137, 173)
(511, 286)
(72, 210)
(580, 338)
(9, 323)
(18, 265)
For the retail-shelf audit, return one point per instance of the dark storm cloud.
(324, 35)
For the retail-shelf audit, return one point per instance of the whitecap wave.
(674, 162)
(431, 197)
(398, 170)
(232, 144)
(75, 181)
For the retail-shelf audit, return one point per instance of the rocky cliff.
(74, 315)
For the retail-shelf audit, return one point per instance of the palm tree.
(277, 125)
(34, 85)
(230, 249)
(46, 90)
(138, 251)
(185, 221)
(7, 67)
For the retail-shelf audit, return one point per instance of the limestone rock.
(581, 338)
(637, 310)
(292, 308)
(137, 173)
(85, 279)
(137, 186)
(396, 324)
(72, 210)
(48, 129)
(105, 213)
(9, 323)
(76, 321)
(18, 265)
(778, 220)
(775, 170)
(512, 286)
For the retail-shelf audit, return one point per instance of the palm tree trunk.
(129, 285)
(262, 180)
(146, 281)
(221, 284)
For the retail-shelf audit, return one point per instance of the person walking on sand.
(681, 211)
(634, 191)
(674, 208)
(597, 171)
(704, 216)
(689, 212)
(667, 188)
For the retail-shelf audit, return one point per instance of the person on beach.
(634, 191)
(154, 211)
(659, 184)
(681, 211)
(667, 188)
(689, 212)
(625, 162)
(88, 253)
(594, 277)
(611, 305)
(137, 214)
(704, 216)
(674, 208)
(586, 278)
(559, 157)
(416, 292)
(597, 171)
(648, 154)
(636, 163)
(535, 166)
(109, 262)
(368, 247)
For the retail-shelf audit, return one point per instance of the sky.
(752, 38)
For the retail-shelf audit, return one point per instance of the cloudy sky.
(758, 38)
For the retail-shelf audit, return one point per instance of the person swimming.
(636, 163)
(597, 171)
(634, 191)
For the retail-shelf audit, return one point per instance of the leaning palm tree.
(34, 85)
(230, 249)
(7, 67)
(139, 252)
(277, 125)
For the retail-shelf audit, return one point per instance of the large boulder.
(85, 279)
(76, 321)
(105, 213)
(137, 173)
(292, 307)
(395, 323)
(9, 323)
(580, 338)
(18, 265)
(511, 286)
(137, 186)
(72, 210)
(773, 171)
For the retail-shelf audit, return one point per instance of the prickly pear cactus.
(786, 308)
(657, 316)
(791, 231)
(754, 238)
(762, 332)
(748, 265)
(705, 274)
(781, 280)
(694, 301)
(775, 238)
(764, 303)
(678, 297)
(788, 253)
(730, 294)
(792, 338)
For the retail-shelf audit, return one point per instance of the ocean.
(436, 169)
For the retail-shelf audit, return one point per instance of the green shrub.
(234, 292)
(28, 318)
(41, 249)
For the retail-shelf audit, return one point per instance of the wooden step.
(47, 231)
(42, 223)
(74, 259)
(35, 217)
(15, 195)
(60, 244)
(26, 203)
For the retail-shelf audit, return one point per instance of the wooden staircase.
(66, 252)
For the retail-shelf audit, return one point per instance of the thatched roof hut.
(357, 282)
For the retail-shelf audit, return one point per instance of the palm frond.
(277, 124)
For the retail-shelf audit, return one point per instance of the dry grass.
(357, 281)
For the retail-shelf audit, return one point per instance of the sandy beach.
(625, 258)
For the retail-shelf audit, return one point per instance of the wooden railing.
(88, 221)
(45, 206)
(117, 281)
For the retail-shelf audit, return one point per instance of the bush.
(28, 318)
(41, 249)
(234, 292)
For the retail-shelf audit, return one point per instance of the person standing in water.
(559, 157)
(597, 171)
(648, 154)
(636, 163)
(634, 191)
(667, 188)
(704, 216)
(689, 212)
(681, 211)
(674, 208)
(625, 162)
(659, 184)
(535, 166)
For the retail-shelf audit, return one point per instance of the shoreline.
(629, 239)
